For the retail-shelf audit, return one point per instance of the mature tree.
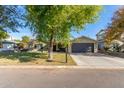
(116, 28)
(25, 39)
(3, 35)
(54, 23)
(11, 18)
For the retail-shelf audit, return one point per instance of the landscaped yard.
(31, 58)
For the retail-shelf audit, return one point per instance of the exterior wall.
(95, 47)
(100, 39)
(101, 45)
(69, 48)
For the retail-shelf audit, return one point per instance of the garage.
(83, 44)
(82, 47)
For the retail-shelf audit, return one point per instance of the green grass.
(34, 58)
(23, 55)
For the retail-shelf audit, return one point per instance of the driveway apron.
(97, 60)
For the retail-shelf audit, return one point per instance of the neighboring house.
(7, 46)
(83, 44)
(32, 43)
(100, 39)
(35, 44)
(101, 43)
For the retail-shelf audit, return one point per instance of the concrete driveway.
(97, 60)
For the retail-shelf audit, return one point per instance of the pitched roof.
(85, 37)
(9, 42)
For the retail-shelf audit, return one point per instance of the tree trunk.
(0, 43)
(66, 54)
(50, 50)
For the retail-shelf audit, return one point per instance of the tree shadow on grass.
(23, 56)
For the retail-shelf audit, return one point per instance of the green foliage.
(3, 35)
(59, 21)
(10, 18)
(25, 39)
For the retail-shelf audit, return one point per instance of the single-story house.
(7, 45)
(83, 44)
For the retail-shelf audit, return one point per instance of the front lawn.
(33, 58)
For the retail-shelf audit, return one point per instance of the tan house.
(83, 44)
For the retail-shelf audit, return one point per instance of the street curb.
(59, 67)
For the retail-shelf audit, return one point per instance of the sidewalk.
(59, 67)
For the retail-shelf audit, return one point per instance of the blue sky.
(91, 29)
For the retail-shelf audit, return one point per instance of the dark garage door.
(82, 47)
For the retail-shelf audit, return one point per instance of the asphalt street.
(61, 78)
